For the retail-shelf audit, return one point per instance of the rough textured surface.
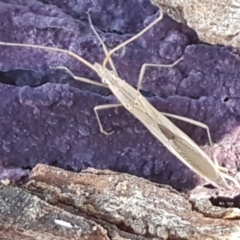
(215, 23)
(21, 214)
(100, 204)
(47, 117)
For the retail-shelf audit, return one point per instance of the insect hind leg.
(204, 126)
(231, 179)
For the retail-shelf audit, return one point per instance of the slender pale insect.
(174, 139)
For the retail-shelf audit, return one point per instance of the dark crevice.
(226, 99)
(225, 202)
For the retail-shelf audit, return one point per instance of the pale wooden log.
(101, 204)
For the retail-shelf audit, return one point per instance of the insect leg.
(202, 125)
(82, 79)
(101, 107)
(52, 49)
(103, 44)
(231, 179)
(145, 65)
(194, 122)
(133, 38)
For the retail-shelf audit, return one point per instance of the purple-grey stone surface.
(47, 117)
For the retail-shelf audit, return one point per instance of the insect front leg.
(97, 108)
(103, 44)
(133, 38)
(101, 107)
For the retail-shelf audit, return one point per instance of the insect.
(174, 139)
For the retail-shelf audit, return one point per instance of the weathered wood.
(216, 22)
(97, 204)
(25, 216)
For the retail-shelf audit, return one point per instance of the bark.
(101, 204)
(215, 23)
